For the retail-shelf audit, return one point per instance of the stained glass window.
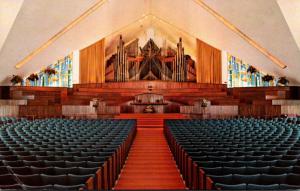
(239, 77)
(62, 78)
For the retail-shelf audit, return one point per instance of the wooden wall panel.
(209, 66)
(40, 111)
(92, 63)
(154, 84)
(4, 92)
(259, 110)
(9, 110)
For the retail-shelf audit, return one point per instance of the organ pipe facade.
(149, 63)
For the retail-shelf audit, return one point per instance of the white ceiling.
(290, 10)
(265, 21)
(8, 14)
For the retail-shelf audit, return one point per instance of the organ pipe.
(121, 68)
(179, 65)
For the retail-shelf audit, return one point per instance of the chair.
(38, 163)
(293, 179)
(42, 170)
(280, 170)
(272, 179)
(290, 157)
(85, 171)
(31, 180)
(296, 169)
(18, 163)
(9, 157)
(248, 179)
(78, 179)
(73, 187)
(68, 170)
(234, 170)
(27, 158)
(4, 170)
(7, 180)
(289, 187)
(25, 170)
(231, 186)
(253, 158)
(261, 163)
(214, 171)
(48, 158)
(223, 179)
(44, 187)
(262, 187)
(65, 158)
(272, 157)
(91, 164)
(257, 170)
(54, 179)
(11, 187)
(83, 158)
(285, 163)
(55, 163)
(76, 164)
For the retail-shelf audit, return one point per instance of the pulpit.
(149, 103)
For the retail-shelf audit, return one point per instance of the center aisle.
(150, 163)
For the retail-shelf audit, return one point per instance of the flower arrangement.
(283, 81)
(33, 77)
(267, 78)
(16, 79)
(95, 102)
(204, 103)
(50, 71)
(251, 70)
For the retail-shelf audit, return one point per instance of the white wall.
(75, 69)
(224, 67)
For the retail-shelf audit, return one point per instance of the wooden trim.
(90, 184)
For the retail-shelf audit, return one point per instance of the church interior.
(149, 94)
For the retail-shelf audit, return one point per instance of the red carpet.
(150, 164)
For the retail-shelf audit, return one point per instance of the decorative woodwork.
(149, 63)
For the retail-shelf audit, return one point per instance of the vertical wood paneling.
(9, 110)
(92, 63)
(208, 67)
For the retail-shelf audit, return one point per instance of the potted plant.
(267, 78)
(204, 103)
(16, 79)
(50, 71)
(251, 70)
(283, 81)
(33, 78)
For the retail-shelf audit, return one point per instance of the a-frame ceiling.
(267, 22)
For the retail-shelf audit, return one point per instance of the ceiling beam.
(232, 27)
(89, 11)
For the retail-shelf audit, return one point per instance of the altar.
(149, 103)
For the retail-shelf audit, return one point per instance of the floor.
(150, 164)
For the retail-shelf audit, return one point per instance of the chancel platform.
(115, 98)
